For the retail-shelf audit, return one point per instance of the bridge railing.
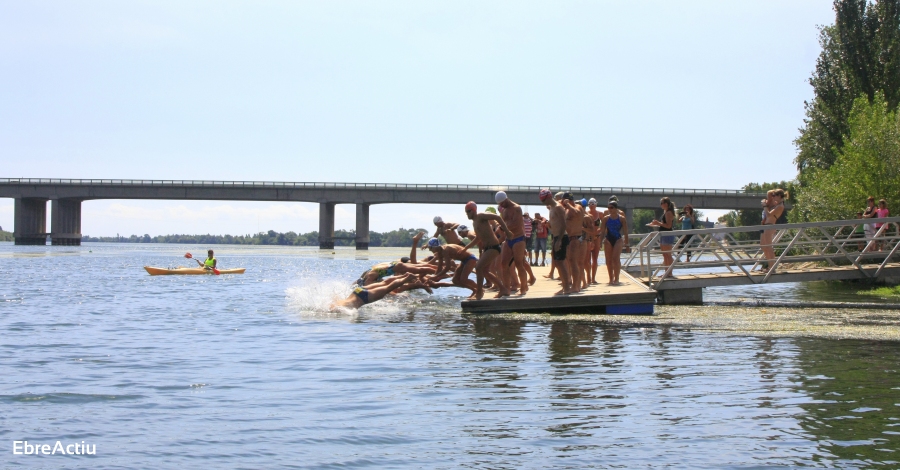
(376, 186)
(795, 247)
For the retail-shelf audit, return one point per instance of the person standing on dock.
(529, 243)
(541, 229)
(490, 248)
(448, 231)
(594, 249)
(560, 246)
(514, 248)
(614, 229)
(575, 230)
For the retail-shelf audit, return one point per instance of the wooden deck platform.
(631, 297)
(684, 279)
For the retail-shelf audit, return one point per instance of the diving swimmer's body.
(445, 255)
(373, 292)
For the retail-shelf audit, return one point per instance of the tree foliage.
(860, 57)
(867, 165)
(401, 237)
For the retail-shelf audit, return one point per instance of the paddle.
(190, 256)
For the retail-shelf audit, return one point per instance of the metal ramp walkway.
(837, 250)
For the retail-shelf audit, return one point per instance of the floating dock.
(632, 297)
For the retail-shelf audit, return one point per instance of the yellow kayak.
(180, 270)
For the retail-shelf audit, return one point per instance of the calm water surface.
(249, 372)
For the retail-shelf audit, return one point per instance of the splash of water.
(314, 297)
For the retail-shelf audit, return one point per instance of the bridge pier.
(629, 218)
(362, 226)
(30, 221)
(326, 225)
(65, 222)
(692, 296)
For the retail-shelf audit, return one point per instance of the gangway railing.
(738, 251)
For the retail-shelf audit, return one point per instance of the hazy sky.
(645, 94)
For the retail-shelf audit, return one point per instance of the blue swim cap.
(583, 202)
(462, 228)
(433, 243)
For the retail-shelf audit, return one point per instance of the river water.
(250, 372)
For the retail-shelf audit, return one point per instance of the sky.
(699, 94)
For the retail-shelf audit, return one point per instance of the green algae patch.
(833, 323)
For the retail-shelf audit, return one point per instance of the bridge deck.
(631, 297)
(686, 280)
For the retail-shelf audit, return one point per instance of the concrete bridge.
(66, 195)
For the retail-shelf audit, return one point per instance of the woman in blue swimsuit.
(614, 229)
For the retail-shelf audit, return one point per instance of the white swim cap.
(462, 228)
(500, 197)
(438, 220)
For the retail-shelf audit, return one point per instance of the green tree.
(867, 165)
(860, 56)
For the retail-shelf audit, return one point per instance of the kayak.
(181, 270)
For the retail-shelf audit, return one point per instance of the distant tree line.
(5, 236)
(401, 237)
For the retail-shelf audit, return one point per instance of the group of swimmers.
(578, 229)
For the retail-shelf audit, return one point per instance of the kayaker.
(210, 262)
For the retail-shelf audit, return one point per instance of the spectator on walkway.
(687, 219)
(541, 229)
(773, 210)
(529, 244)
(666, 225)
(881, 212)
(859, 232)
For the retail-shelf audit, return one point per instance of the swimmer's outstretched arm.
(415, 243)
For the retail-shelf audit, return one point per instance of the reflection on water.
(247, 372)
(854, 407)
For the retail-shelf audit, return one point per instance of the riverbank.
(829, 323)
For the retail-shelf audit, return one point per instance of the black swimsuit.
(493, 247)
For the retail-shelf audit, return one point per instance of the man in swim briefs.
(575, 255)
(445, 255)
(490, 248)
(513, 250)
(560, 245)
(448, 231)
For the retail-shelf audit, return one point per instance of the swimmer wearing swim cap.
(514, 248)
(447, 230)
(490, 248)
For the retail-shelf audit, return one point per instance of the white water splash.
(314, 298)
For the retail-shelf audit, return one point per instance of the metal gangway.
(836, 250)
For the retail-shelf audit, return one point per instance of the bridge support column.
(326, 225)
(30, 221)
(629, 218)
(65, 222)
(692, 296)
(362, 226)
